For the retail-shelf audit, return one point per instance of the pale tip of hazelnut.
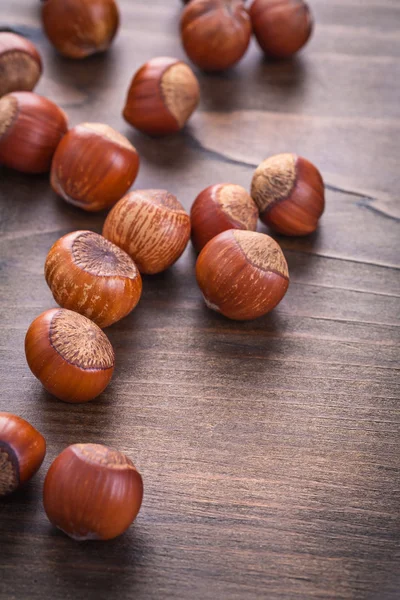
(181, 91)
(8, 112)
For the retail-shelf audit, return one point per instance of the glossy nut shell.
(151, 226)
(290, 194)
(22, 450)
(282, 27)
(31, 127)
(215, 33)
(92, 492)
(93, 166)
(79, 28)
(20, 64)
(90, 275)
(70, 355)
(221, 207)
(162, 96)
(242, 274)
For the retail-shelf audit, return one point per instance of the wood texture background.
(269, 450)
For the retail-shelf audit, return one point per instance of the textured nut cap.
(273, 180)
(20, 64)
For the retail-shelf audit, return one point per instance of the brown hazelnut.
(281, 27)
(20, 64)
(79, 28)
(151, 226)
(162, 96)
(221, 207)
(31, 127)
(90, 275)
(92, 492)
(215, 33)
(290, 195)
(69, 354)
(22, 450)
(242, 274)
(93, 166)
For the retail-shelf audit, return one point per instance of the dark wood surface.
(269, 450)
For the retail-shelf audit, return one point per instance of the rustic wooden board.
(269, 450)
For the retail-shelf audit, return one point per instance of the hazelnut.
(215, 33)
(221, 207)
(290, 195)
(22, 450)
(151, 226)
(70, 355)
(93, 166)
(20, 64)
(242, 274)
(90, 275)
(162, 96)
(92, 492)
(281, 27)
(31, 128)
(79, 28)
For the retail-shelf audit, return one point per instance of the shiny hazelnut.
(92, 492)
(215, 33)
(242, 274)
(20, 64)
(79, 28)
(221, 207)
(162, 96)
(93, 166)
(22, 450)
(70, 355)
(281, 27)
(90, 275)
(31, 128)
(151, 226)
(290, 195)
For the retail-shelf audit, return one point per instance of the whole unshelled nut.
(162, 96)
(290, 195)
(20, 64)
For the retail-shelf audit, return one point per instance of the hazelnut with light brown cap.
(242, 274)
(31, 127)
(90, 275)
(20, 64)
(221, 207)
(92, 492)
(151, 226)
(290, 194)
(281, 27)
(22, 450)
(162, 96)
(93, 167)
(215, 33)
(79, 28)
(70, 355)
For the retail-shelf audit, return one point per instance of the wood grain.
(269, 449)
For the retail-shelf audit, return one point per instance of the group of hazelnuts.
(91, 491)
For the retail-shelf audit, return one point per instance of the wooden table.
(269, 449)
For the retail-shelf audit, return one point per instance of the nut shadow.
(127, 559)
(170, 153)
(79, 84)
(298, 251)
(254, 83)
